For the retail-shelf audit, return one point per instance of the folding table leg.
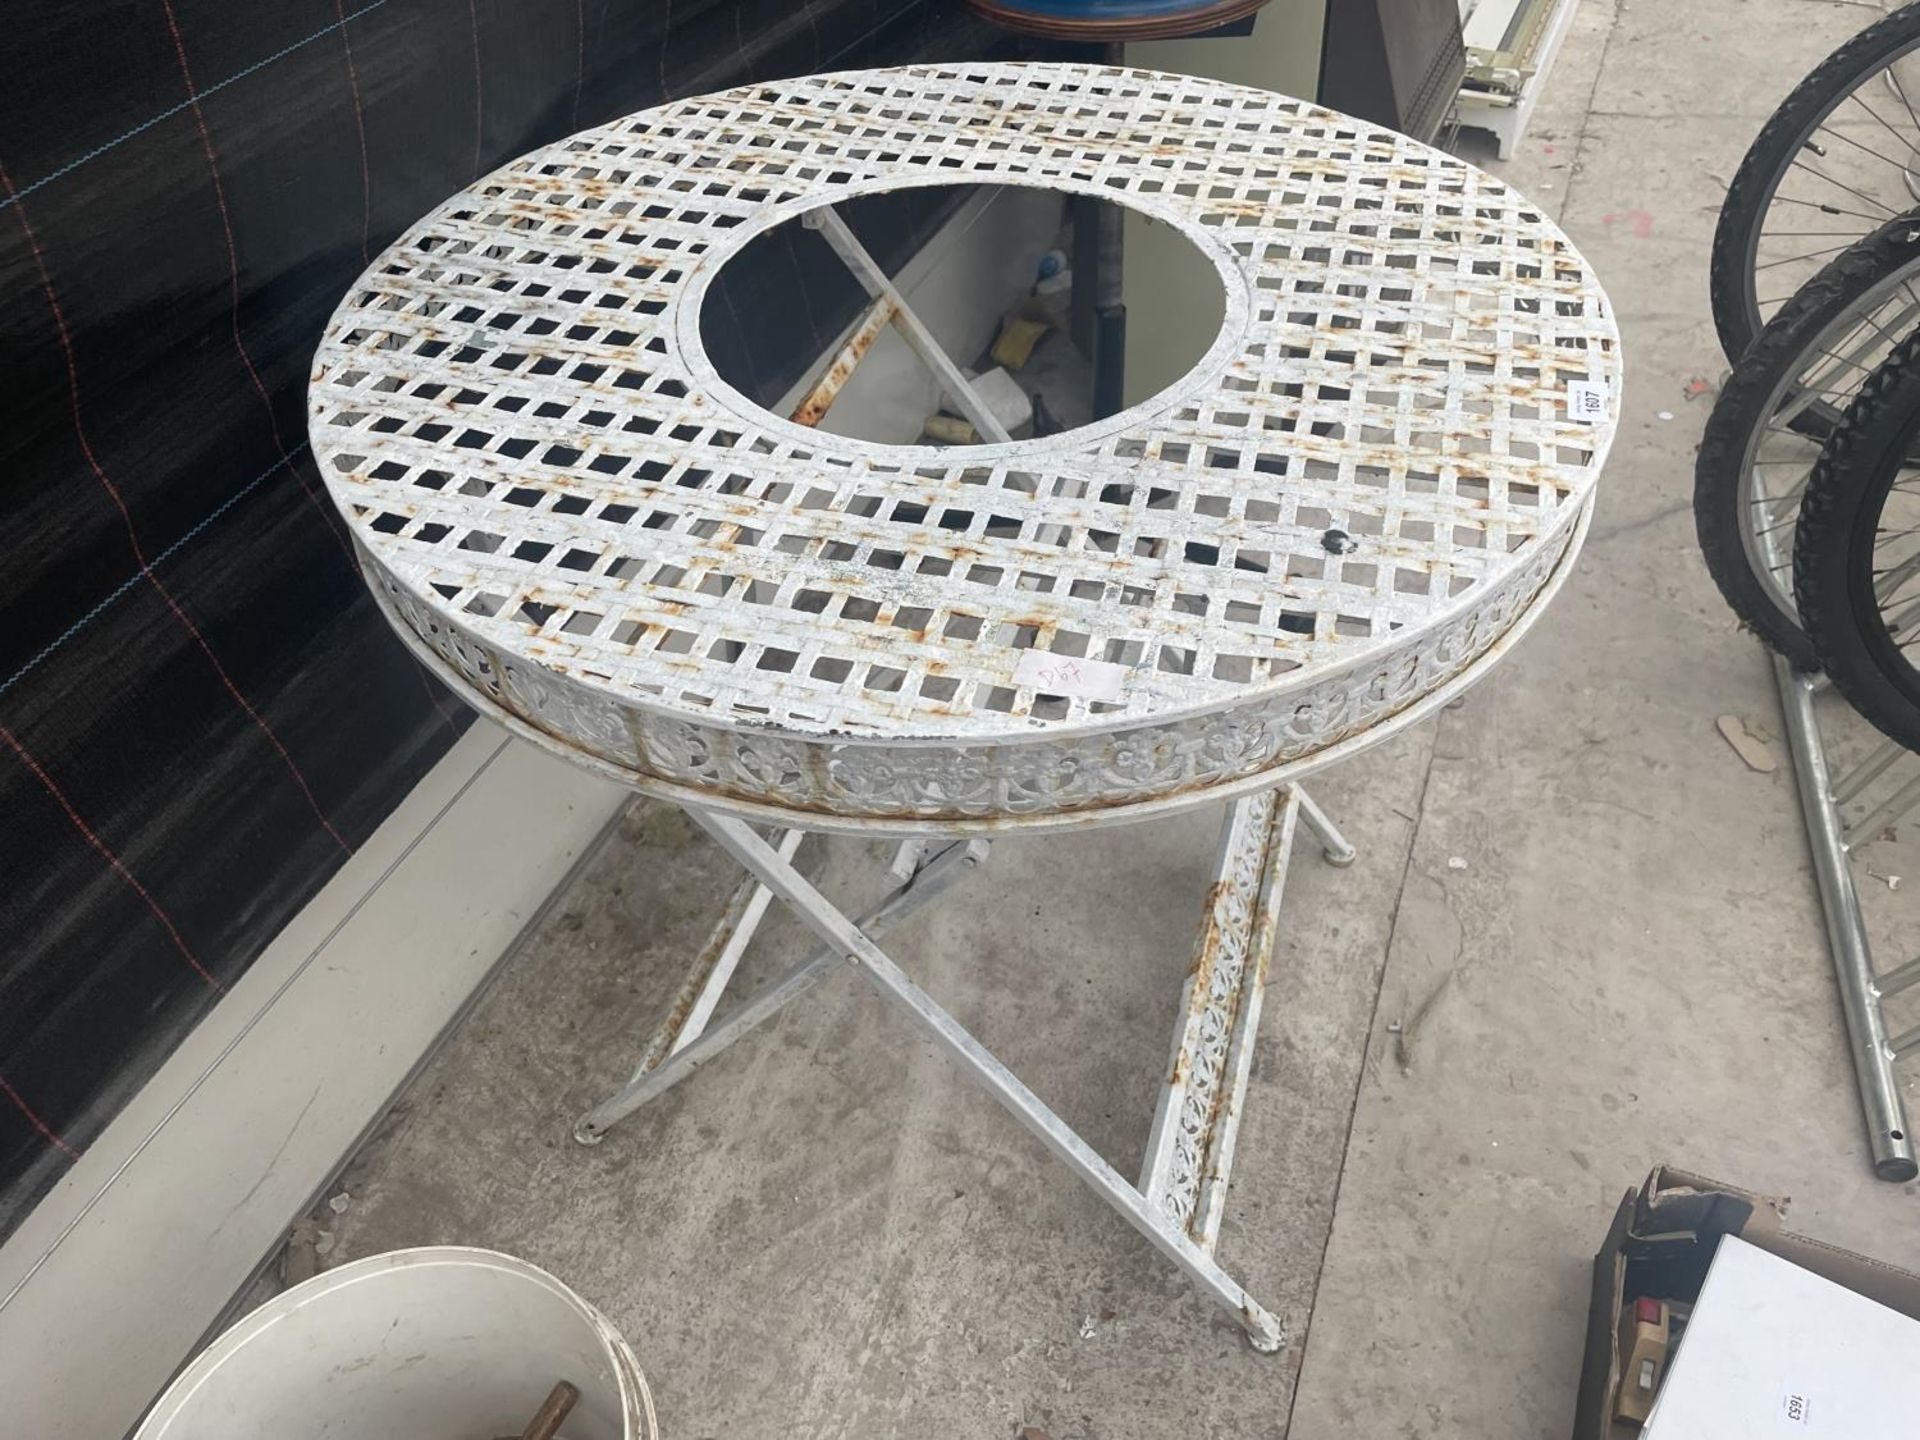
(826, 220)
(713, 967)
(1190, 1147)
(662, 1072)
(851, 940)
(1333, 844)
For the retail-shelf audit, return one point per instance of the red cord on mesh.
(119, 868)
(47, 1131)
(126, 518)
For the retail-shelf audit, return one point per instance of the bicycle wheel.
(1857, 553)
(1839, 157)
(1787, 391)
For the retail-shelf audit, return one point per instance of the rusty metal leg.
(713, 967)
(687, 1053)
(812, 410)
(851, 939)
(874, 281)
(1190, 1148)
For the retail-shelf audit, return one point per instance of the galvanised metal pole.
(1873, 1057)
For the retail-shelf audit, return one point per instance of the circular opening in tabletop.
(1000, 300)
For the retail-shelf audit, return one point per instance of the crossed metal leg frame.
(1180, 1197)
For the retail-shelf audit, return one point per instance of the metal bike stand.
(1350, 510)
(1830, 836)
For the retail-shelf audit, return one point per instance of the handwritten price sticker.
(1586, 401)
(1065, 675)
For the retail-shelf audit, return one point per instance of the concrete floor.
(1582, 937)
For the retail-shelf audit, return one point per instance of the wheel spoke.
(1868, 149)
(1895, 576)
(1854, 95)
(1887, 211)
(1792, 495)
(1804, 395)
(1829, 209)
(1881, 331)
(1843, 360)
(1906, 622)
(1793, 259)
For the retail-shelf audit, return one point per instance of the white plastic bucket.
(443, 1343)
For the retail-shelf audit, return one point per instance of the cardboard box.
(1773, 1349)
(1661, 1244)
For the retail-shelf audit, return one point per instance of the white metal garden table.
(1342, 516)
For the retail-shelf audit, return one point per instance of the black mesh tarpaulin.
(201, 714)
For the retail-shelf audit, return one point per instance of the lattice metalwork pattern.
(1349, 498)
(1191, 1152)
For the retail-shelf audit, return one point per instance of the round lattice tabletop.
(1342, 514)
